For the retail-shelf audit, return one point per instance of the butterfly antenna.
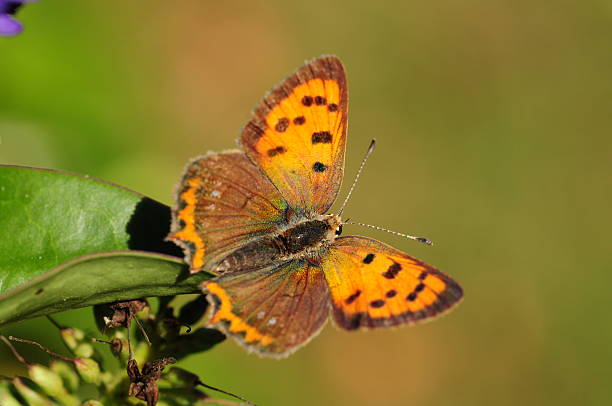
(412, 237)
(365, 158)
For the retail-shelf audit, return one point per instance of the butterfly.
(257, 219)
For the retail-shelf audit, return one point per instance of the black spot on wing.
(377, 303)
(352, 297)
(282, 124)
(307, 101)
(391, 293)
(275, 151)
(320, 101)
(321, 137)
(392, 271)
(319, 167)
(368, 259)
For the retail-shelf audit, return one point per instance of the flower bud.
(84, 350)
(67, 373)
(72, 337)
(31, 397)
(51, 383)
(88, 369)
(47, 379)
(6, 396)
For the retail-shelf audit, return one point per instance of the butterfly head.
(334, 224)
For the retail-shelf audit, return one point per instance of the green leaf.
(71, 241)
(49, 217)
(99, 278)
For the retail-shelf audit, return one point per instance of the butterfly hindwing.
(375, 285)
(273, 310)
(298, 132)
(224, 201)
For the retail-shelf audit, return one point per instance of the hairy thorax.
(303, 239)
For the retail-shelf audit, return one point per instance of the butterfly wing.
(298, 132)
(223, 202)
(271, 311)
(375, 285)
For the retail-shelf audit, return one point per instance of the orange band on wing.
(187, 215)
(237, 325)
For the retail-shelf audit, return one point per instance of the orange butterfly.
(257, 220)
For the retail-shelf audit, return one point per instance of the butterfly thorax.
(308, 235)
(303, 239)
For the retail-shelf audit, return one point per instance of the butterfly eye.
(339, 230)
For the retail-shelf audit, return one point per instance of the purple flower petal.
(9, 26)
(10, 6)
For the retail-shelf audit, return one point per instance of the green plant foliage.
(72, 241)
(98, 278)
(73, 380)
(49, 217)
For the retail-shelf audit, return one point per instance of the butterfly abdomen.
(262, 252)
(251, 256)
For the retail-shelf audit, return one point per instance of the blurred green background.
(494, 123)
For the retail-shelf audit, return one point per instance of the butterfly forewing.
(224, 202)
(375, 285)
(298, 132)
